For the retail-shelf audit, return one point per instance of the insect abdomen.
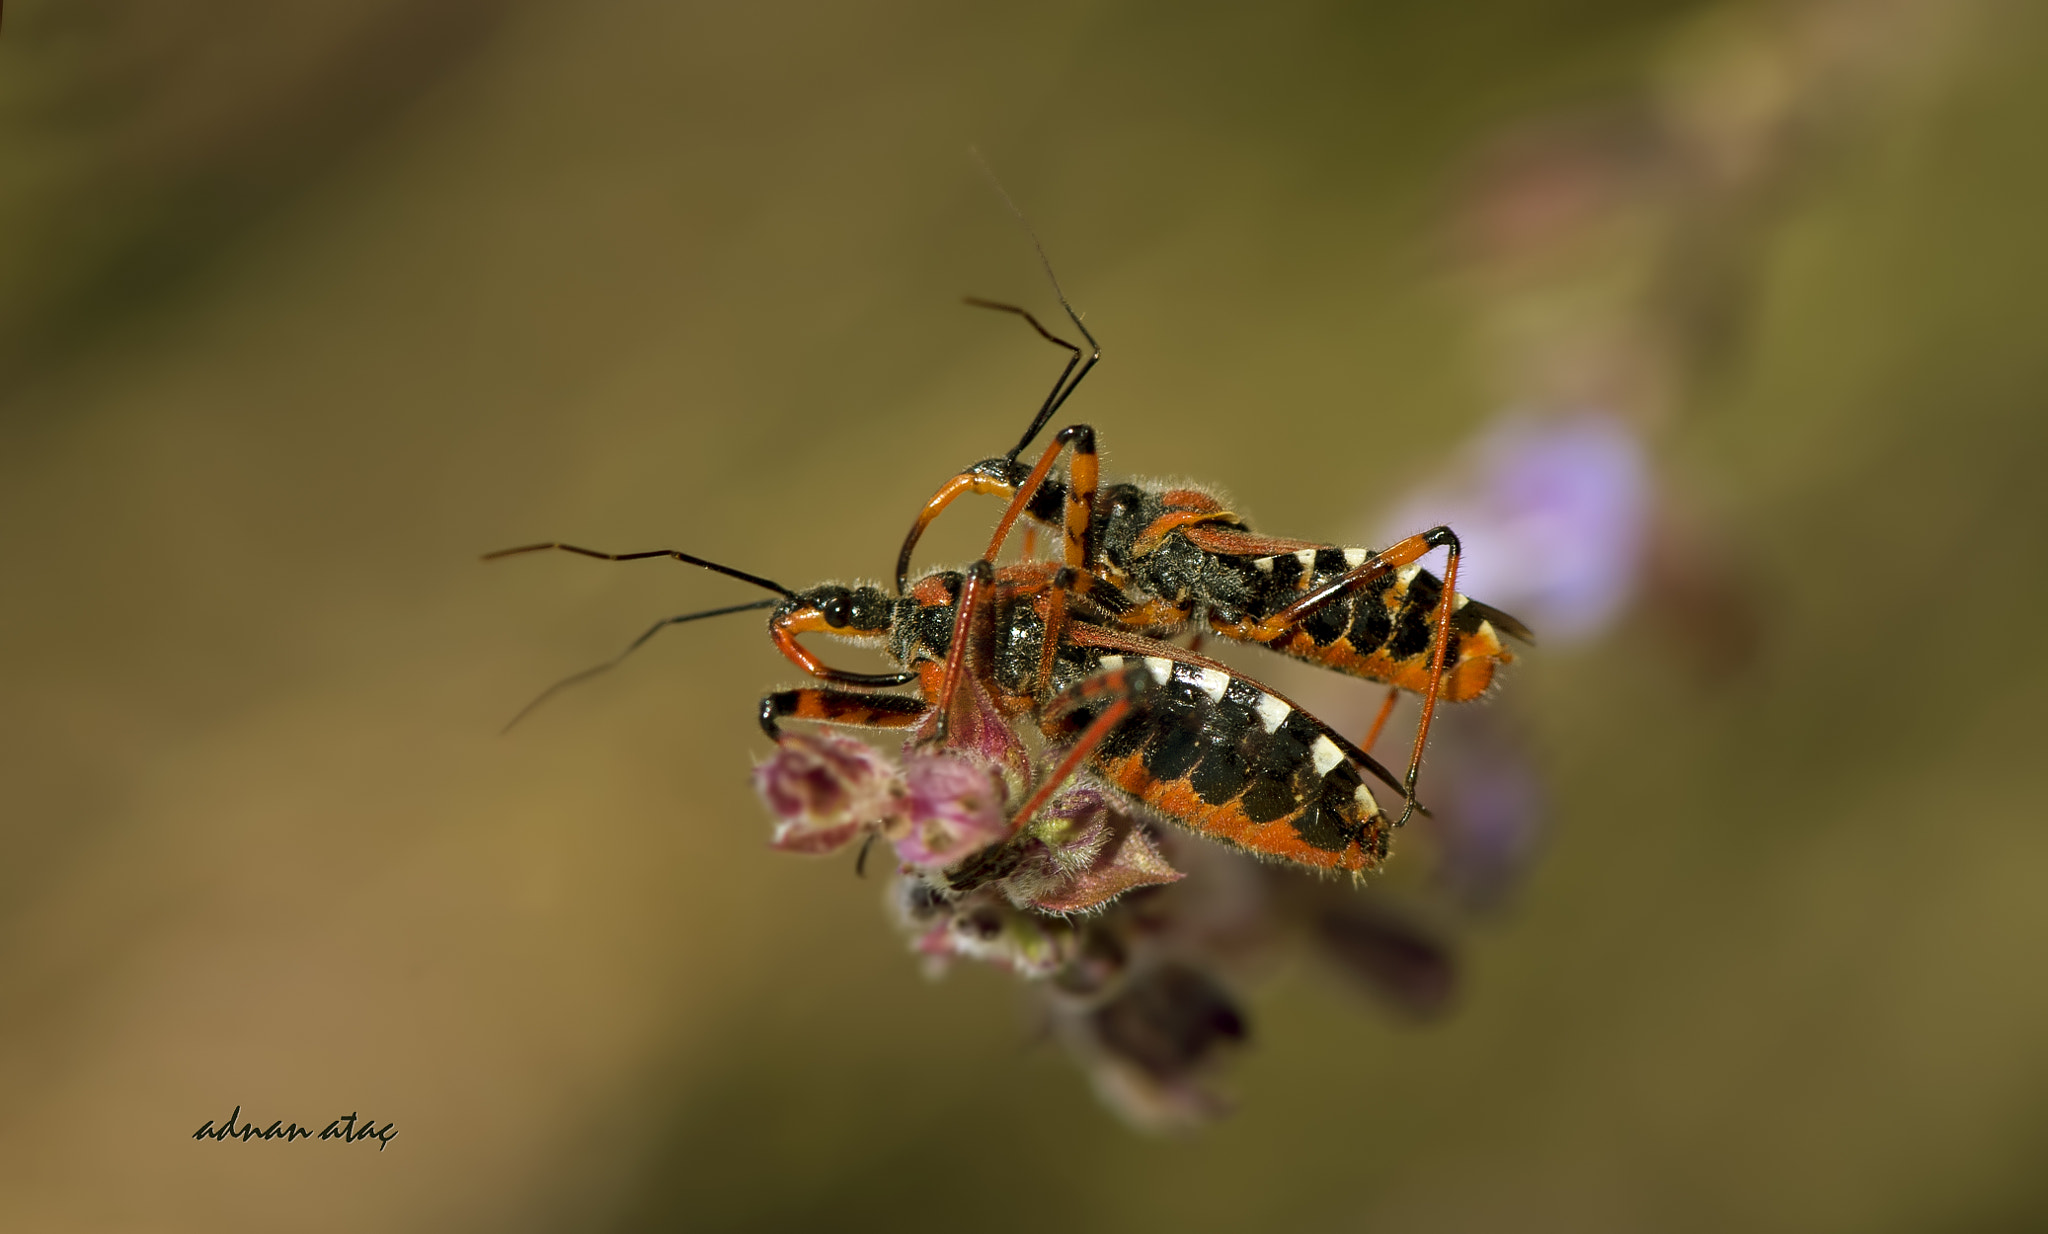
(1222, 757)
(1383, 631)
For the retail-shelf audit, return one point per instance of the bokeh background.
(304, 306)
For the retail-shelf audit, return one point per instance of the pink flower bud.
(954, 808)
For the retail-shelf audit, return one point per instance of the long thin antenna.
(1059, 396)
(652, 630)
(683, 557)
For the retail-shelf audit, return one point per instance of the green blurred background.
(302, 307)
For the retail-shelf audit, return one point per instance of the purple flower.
(1555, 518)
(826, 790)
(1491, 810)
(1086, 853)
(953, 807)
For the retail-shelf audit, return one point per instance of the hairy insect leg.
(850, 708)
(1055, 631)
(1123, 687)
(974, 591)
(1052, 404)
(1402, 553)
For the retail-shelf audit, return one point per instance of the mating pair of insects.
(1081, 645)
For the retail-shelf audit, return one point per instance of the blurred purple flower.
(1491, 809)
(1154, 1041)
(1555, 516)
(981, 925)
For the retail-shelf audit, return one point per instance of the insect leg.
(1003, 477)
(1080, 506)
(847, 707)
(990, 477)
(1403, 553)
(998, 476)
(1054, 398)
(1055, 631)
(1123, 686)
(1053, 404)
(979, 581)
(1380, 721)
(1436, 675)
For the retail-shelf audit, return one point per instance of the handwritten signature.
(343, 1129)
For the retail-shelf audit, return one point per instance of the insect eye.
(837, 610)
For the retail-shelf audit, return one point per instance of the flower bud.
(826, 790)
(953, 808)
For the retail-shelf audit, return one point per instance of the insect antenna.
(634, 646)
(675, 554)
(1055, 400)
(683, 557)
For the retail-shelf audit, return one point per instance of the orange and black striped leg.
(1397, 556)
(1083, 480)
(847, 707)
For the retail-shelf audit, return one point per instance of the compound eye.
(837, 609)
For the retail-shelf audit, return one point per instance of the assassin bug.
(1202, 745)
(1177, 555)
